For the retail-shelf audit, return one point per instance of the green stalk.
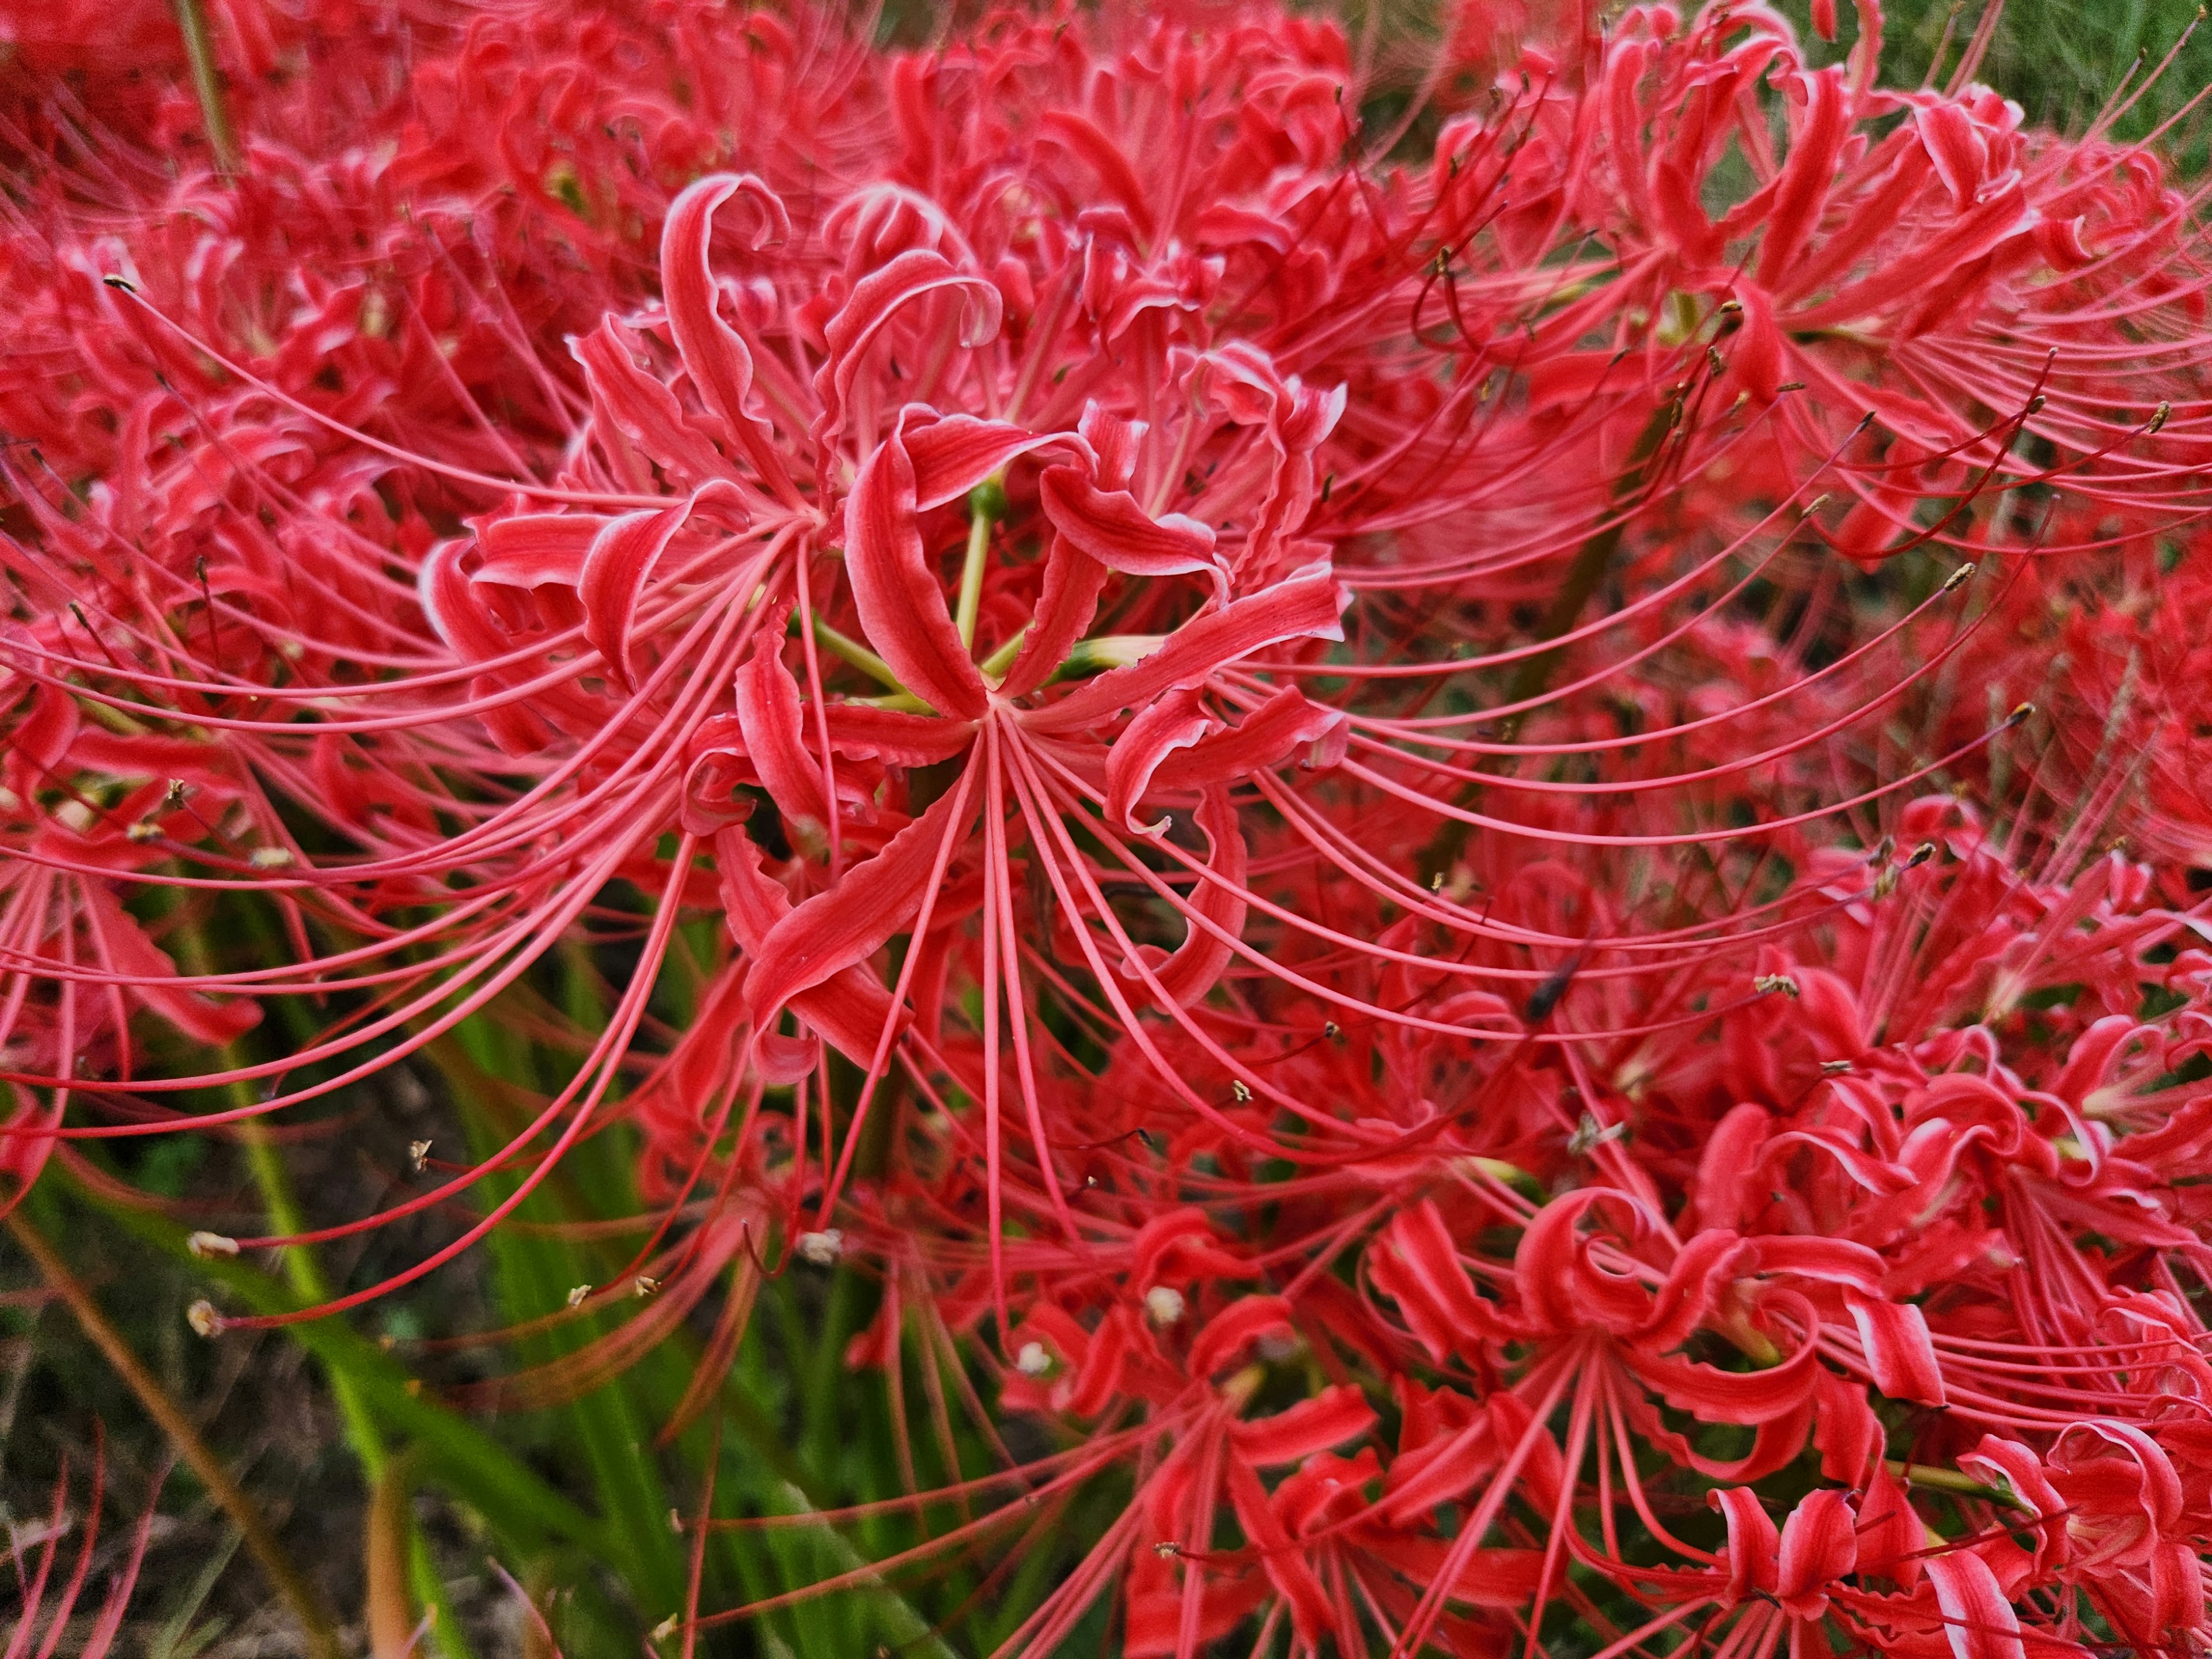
(995, 665)
(843, 645)
(1934, 1478)
(987, 505)
(303, 1274)
(207, 86)
(905, 1626)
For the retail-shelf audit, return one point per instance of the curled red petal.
(952, 455)
(1977, 1621)
(1754, 1547)
(1807, 175)
(1175, 721)
(621, 558)
(1110, 526)
(1557, 1284)
(1189, 972)
(454, 609)
(1713, 1395)
(716, 760)
(1705, 1263)
(850, 1009)
(1286, 1565)
(901, 600)
(1418, 1268)
(1820, 1545)
(1891, 1539)
(1072, 581)
(640, 408)
(716, 353)
(1306, 605)
(1231, 1332)
(535, 550)
(1831, 1261)
(1082, 136)
(838, 929)
(1757, 356)
(894, 736)
(1329, 1418)
(1899, 1355)
(768, 712)
(1288, 724)
(875, 299)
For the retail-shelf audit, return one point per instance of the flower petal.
(1713, 1395)
(1110, 526)
(1977, 1621)
(850, 1008)
(768, 713)
(1189, 972)
(1752, 1546)
(1418, 1268)
(895, 738)
(952, 455)
(716, 353)
(901, 601)
(1175, 721)
(1820, 1545)
(640, 408)
(1304, 605)
(1230, 1333)
(1072, 582)
(621, 558)
(1806, 175)
(875, 299)
(847, 925)
(1336, 1414)
(1901, 1358)
(1282, 726)
(535, 550)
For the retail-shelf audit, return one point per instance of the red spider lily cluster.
(1472, 839)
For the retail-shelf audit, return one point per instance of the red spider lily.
(611, 564)
(1297, 717)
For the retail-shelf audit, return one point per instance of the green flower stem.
(1103, 652)
(905, 1625)
(1934, 1478)
(207, 87)
(843, 645)
(995, 665)
(987, 505)
(304, 1275)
